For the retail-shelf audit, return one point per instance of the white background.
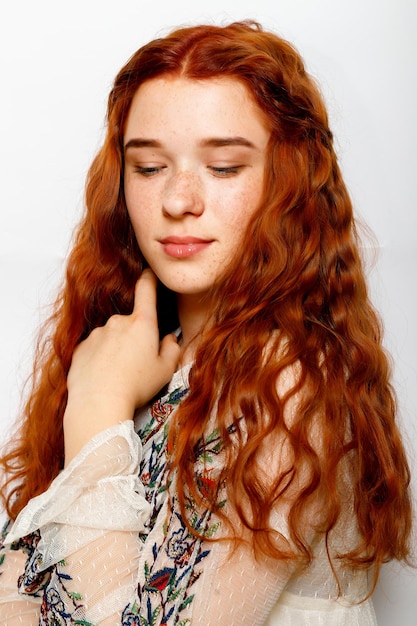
(57, 62)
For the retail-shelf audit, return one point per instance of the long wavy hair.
(297, 288)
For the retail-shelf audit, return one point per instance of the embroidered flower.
(131, 620)
(206, 485)
(54, 601)
(33, 580)
(160, 411)
(145, 478)
(160, 580)
(130, 616)
(178, 548)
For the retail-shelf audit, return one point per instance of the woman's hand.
(119, 367)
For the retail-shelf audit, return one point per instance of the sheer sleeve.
(191, 581)
(15, 610)
(184, 579)
(106, 545)
(187, 580)
(85, 530)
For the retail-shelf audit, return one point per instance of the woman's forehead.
(204, 105)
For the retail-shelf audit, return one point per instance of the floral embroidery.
(179, 548)
(32, 581)
(54, 610)
(48, 584)
(154, 437)
(169, 568)
(165, 589)
(159, 412)
(5, 529)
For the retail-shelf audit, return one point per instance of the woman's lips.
(184, 247)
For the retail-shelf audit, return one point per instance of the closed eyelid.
(141, 159)
(144, 153)
(225, 171)
(231, 157)
(148, 170)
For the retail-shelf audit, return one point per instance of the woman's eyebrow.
(218, 142)
(143, 143)
(210, 142)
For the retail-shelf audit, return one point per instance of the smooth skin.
(195, 155)
(119, 367)
(194, 170)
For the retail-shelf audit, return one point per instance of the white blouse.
(106, 545)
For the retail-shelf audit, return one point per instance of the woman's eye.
(150, 170)
(225, 171)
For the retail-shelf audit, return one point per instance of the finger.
(145, 295)
(169, 352)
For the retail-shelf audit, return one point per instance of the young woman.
(211, 435)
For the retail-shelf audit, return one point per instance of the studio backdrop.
(58, 61)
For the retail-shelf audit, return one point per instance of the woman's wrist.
(86, 417)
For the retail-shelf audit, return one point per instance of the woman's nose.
(182, 195)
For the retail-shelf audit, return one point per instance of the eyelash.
(148, 171)
(220, 172)
(225, 171)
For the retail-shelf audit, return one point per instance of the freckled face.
(194, 169)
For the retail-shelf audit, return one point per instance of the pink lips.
(184, 247)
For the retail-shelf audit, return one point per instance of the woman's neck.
(192, 314)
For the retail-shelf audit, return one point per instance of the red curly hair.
(299, 273)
